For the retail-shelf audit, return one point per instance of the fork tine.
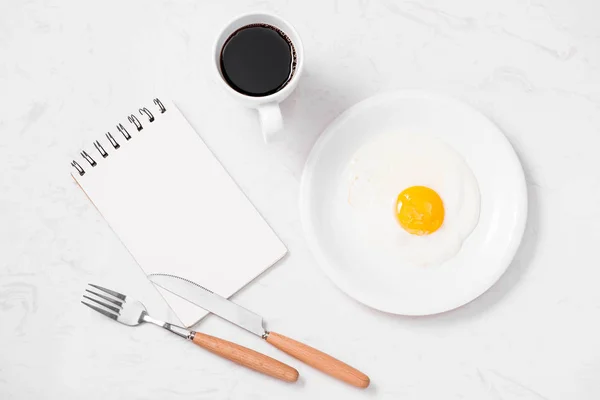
(101, 311)
(114, 309)
(111, 292)
(115, 302)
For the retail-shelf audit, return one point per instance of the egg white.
(387, 165)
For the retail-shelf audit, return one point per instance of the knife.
(253, 323)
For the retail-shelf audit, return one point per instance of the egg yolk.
(419, 210)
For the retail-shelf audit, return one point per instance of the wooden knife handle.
(246, 357)
(319, 360)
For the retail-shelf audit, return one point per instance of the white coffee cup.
(268, 106)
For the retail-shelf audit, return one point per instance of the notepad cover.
(178, 211)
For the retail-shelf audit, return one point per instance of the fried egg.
(413, 195)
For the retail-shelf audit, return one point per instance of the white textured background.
(70, 70)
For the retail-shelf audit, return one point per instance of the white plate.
(406, 289)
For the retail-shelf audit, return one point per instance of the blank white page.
(177, 210)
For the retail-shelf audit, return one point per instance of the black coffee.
(258, 60)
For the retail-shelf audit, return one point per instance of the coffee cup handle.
(271, 120)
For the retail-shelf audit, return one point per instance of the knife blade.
(210, 301)
(252, 322)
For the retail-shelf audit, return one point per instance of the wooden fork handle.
(319, 360)
(246, 357)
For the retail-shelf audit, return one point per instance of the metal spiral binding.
(133, 119)
(76, 165)
(113, 142)
(148, 113)
(88, 158)
(160, 105)
(122, 129)
(100, 149)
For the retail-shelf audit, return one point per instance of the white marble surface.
(68, 70)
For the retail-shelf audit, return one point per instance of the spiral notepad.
(175, 207)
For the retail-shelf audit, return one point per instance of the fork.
(131, 312)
